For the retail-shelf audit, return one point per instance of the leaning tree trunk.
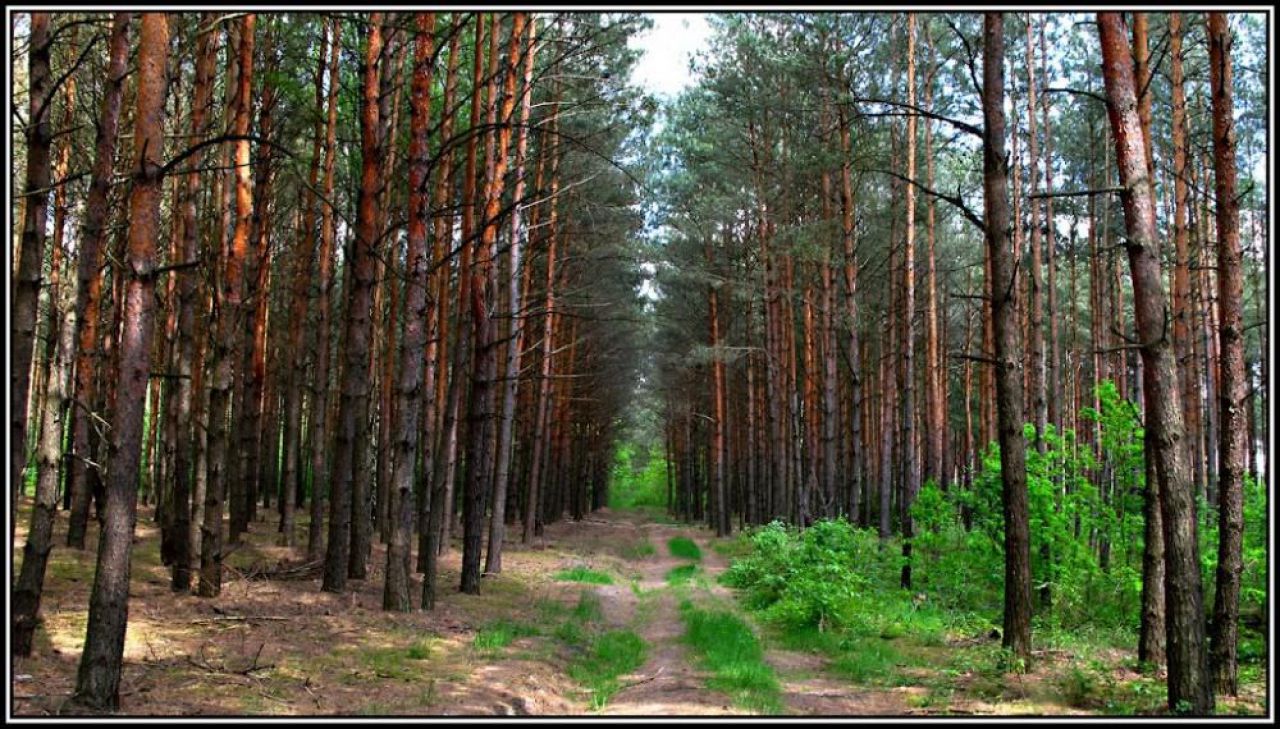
(88, 273)
(35, 555)
(1188, 681)
(1232, 436)
(1008, 349)
(98, 678)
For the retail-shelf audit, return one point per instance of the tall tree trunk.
(519, 240)
(35, 556)
(346, 500)
(228, 310)
(848, 235)
(303, 263)
(395, 595)
(1232, 394)
(911, 465)
(1008, 350)
(89, 281)
(98, 677)
(436, 364)
(31, 257)
(1188, 682)
(320, 475)
(537, 468)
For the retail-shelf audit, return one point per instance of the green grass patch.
(589, 608)
(420, 650)
(639, 550)
(866, 660)
(389, 663)
(682, 574)
(684, 548)
(583, 574)
(608, 656)
(501, 633)
(730, 649)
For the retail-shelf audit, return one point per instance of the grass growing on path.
(582, 574)
(732, 652)
(682, 574)
(606, 657)
(499, 634)
(684, 548)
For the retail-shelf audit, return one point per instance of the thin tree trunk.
(320, 476)
(519, 240)
(1232, 393)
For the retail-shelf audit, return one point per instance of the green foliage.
(583, 574)
(632, 484)
(684, 548)
(730, 649)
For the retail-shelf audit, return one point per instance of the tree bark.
(228, 310)
(98, 677)
(1232, 393)
(519, 240)
(1008, 350)
(1188, 681)
(89, 275)
(31, 256)
(320, 476)
(346, 501)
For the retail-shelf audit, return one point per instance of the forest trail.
(274, 644)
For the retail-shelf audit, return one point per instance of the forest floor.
(532, 643)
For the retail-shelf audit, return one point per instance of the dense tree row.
(834, 335)
(367, 268)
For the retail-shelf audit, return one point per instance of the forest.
(433, 363)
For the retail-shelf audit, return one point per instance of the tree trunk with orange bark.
(98, 678)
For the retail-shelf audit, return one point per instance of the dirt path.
(669, 683)
(283, 647)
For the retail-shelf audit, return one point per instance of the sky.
(664, 68)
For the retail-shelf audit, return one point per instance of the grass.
(638, 550)
(866, 660)
(730, 649)
(500, 633)
(684, 548)
(682, 574)
(607, 656)
(583, 574)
